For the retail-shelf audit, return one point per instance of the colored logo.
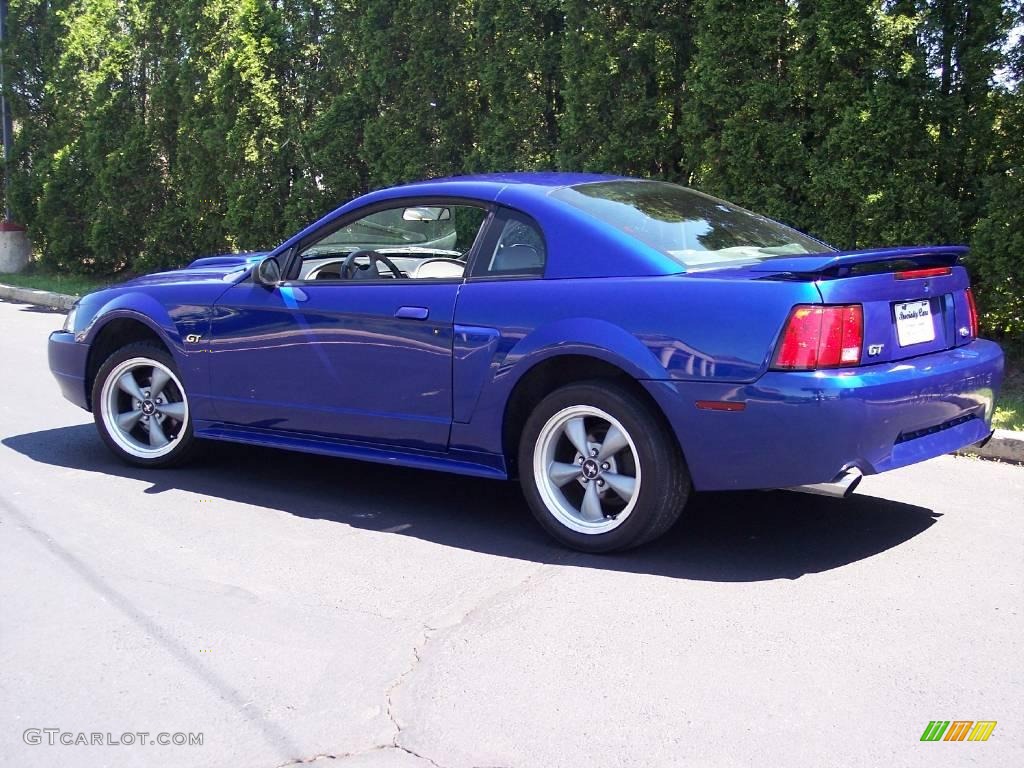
(958, 730)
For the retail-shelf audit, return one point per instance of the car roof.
(587, 247)
(545, 179)
(489, 186)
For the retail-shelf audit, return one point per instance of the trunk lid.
(914, 299)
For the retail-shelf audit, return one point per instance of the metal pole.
(6, 116)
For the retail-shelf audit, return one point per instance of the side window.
(518, 250)
(409, 241)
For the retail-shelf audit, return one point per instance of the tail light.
(972, 313)
(916, 274)
(819, 336)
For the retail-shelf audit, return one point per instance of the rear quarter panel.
(666, 328)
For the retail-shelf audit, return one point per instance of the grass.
(1010, 403)
(74, 285)
(1010, 411)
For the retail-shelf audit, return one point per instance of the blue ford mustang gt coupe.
(614, 343)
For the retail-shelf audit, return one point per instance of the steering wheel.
(351, 271)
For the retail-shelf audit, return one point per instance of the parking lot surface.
(295, 608)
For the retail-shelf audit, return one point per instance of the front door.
(359, 345)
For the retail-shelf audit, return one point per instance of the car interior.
(417, 242)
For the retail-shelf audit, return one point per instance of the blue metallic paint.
(818, 423)
(365, 373)
(472, 367)
(330, 368)
(67, 358)
(170, 310)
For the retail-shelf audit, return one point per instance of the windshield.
(695, 229)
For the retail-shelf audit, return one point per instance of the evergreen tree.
(416, 86)
(517, 53)
(744, 131)
(148, 132)
(103, 179)
(624, 89)
(871, 150)
(965, 39)
(324, 116)
(997, 245)
(253, 170)
(31, 56)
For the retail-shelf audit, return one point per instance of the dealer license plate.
(914, 324)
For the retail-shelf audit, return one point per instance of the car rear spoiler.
(840, 262)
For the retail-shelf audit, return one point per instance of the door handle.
(412, 313)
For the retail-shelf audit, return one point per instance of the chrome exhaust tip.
(839, 488)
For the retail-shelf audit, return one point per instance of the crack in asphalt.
(429, 632)
(417, 755)
(346, 755)
(314, 758)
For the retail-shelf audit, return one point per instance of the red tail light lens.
(853, 336)
(799, 346)
(972, 313)
(821, 337)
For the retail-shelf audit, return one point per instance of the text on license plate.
(914, 323)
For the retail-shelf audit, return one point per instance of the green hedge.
(149, 131)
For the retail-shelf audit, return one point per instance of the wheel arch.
(554, 372)
(113, 332)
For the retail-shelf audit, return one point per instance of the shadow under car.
(740, 536)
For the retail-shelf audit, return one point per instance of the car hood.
(206, 268)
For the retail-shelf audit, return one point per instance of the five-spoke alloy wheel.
(585, 462)
(141, 408)
(600, 469)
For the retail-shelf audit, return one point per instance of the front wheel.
(600, 471)
(140, 407)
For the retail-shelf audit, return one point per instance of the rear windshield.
(697, 230)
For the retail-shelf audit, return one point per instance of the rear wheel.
(600, 471)
(140, 407)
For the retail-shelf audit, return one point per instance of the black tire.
(665, 482)
(182, 443)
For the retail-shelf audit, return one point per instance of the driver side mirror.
(267, 272)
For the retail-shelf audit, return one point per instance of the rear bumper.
(67, 363)
(801, 428)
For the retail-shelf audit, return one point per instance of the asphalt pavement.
(294, 608)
